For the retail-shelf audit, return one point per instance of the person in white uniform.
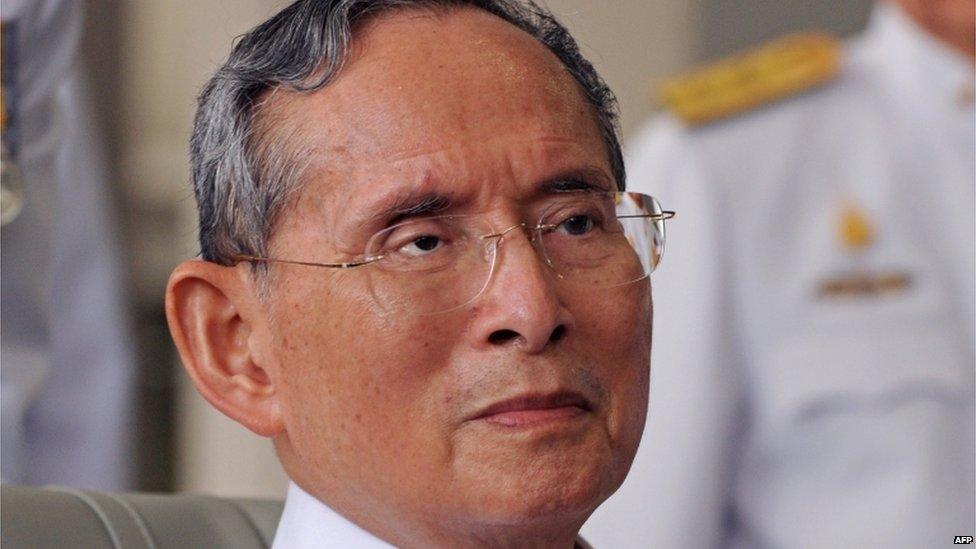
(69, 373)
(421, 277)
(814, 360)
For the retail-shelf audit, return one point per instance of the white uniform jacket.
(782, 415)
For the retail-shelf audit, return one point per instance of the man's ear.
(220, 328)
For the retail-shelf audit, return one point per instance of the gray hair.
(243, 179)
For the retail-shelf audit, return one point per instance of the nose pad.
(531, 235)
(493, 245)
(490, 249)
(534, 236)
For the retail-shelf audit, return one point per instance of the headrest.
(65, 517)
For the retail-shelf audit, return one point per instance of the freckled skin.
(375, 404)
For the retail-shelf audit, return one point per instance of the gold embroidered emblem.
(854, 229)
(865, 284)
(856, 233)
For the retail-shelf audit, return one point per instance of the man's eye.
(422, 245)
(577, 225)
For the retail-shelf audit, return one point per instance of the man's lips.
(534, 408)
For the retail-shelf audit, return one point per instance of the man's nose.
(521, 306)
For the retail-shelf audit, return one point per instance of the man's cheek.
(614, 318)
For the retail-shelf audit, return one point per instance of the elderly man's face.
(387, 414)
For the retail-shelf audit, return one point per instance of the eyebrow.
(585, 179)
(393, 209)
(410, 205)
(567, 184)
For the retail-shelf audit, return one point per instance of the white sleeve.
(677, 492)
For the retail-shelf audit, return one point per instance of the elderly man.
(420, 275)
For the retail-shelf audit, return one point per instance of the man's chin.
(564, 505)
(538, 474)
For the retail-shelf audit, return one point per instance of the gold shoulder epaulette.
(771, 72)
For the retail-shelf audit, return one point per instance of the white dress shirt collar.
(307, 522)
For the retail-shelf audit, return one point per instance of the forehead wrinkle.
(410, 154)
(448, 171)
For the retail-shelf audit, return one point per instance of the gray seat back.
(64, 517)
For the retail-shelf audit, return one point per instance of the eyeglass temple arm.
(346, 265)
(666, 214)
